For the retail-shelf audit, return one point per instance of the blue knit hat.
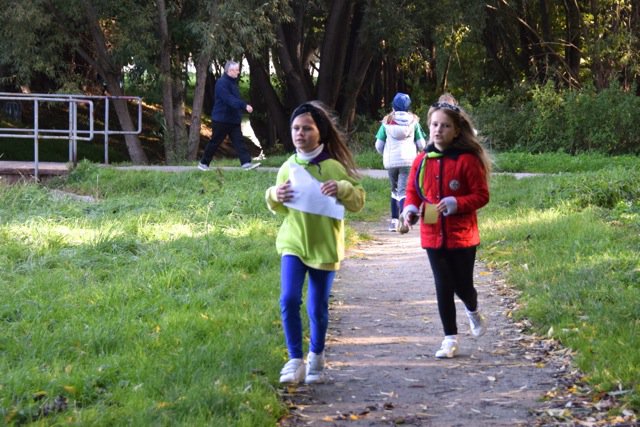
(401, 102)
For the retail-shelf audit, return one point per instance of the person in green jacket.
(313, 188)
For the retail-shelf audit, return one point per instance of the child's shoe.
(448, 348)
(315, 368)
(477, 322)
(393, 224)
(292, 372)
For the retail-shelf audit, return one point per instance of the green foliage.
(543, 119)
(31, 54)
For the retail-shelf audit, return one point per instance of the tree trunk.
(113, 76)
(202, 69)
(635, 46)
(292, 53)
(276, 117)
(524, 37)
(136, 153)
(361, 55)
(572, 50)
(174, 135)
(492, 37)
(545, 58)
(179, 116)
(444, 85)
(333, 52)
(598, 69)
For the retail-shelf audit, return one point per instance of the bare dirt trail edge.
(384, 331)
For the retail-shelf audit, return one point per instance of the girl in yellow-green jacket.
(313, 188)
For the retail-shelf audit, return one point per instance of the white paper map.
(307, 196)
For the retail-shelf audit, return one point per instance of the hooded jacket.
(452, 173)
(399, 139)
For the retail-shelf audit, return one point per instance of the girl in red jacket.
(447, 183)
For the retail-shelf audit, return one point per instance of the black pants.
(220, 131)
(453, 275)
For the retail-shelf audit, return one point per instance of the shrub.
(544, 119)
(501, 120)
(605, 188)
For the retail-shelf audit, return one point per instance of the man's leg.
(235, 133)
(220, 130)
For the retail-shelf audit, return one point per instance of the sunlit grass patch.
(577, 265)
(153, 302)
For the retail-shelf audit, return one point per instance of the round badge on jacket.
(454, 184)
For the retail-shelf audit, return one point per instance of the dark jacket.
(227, 106)
(456, 174)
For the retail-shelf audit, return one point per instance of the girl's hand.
(448, 206)
(329, 188)
(404, 223)
(284, 192)
(410, 219)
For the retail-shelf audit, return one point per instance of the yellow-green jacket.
(317, 240)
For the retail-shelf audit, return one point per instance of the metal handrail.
(73, 144)
(37, 133)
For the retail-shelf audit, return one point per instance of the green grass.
(570, 244)
(559, 162)
(156, 304)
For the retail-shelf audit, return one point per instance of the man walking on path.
(226, 118)
(383, 372)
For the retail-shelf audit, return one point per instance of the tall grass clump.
(152, 300)
(570, 244)
(558, 163)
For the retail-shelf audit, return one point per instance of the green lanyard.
(419, 184)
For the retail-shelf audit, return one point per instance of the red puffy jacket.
(456, 174)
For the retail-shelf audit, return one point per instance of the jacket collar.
(433, 152)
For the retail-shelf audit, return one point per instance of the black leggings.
(453, 275)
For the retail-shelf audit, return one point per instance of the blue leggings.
(293, 272)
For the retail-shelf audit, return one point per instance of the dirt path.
(384, 331)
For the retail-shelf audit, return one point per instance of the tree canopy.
(351, 54)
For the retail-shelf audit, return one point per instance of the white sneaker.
(448, 348)
(249, 166)
(393, 224)
(477, 322)
(293, 372)
(203, 167)
(315, 368)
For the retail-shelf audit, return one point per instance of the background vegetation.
(569, 71)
